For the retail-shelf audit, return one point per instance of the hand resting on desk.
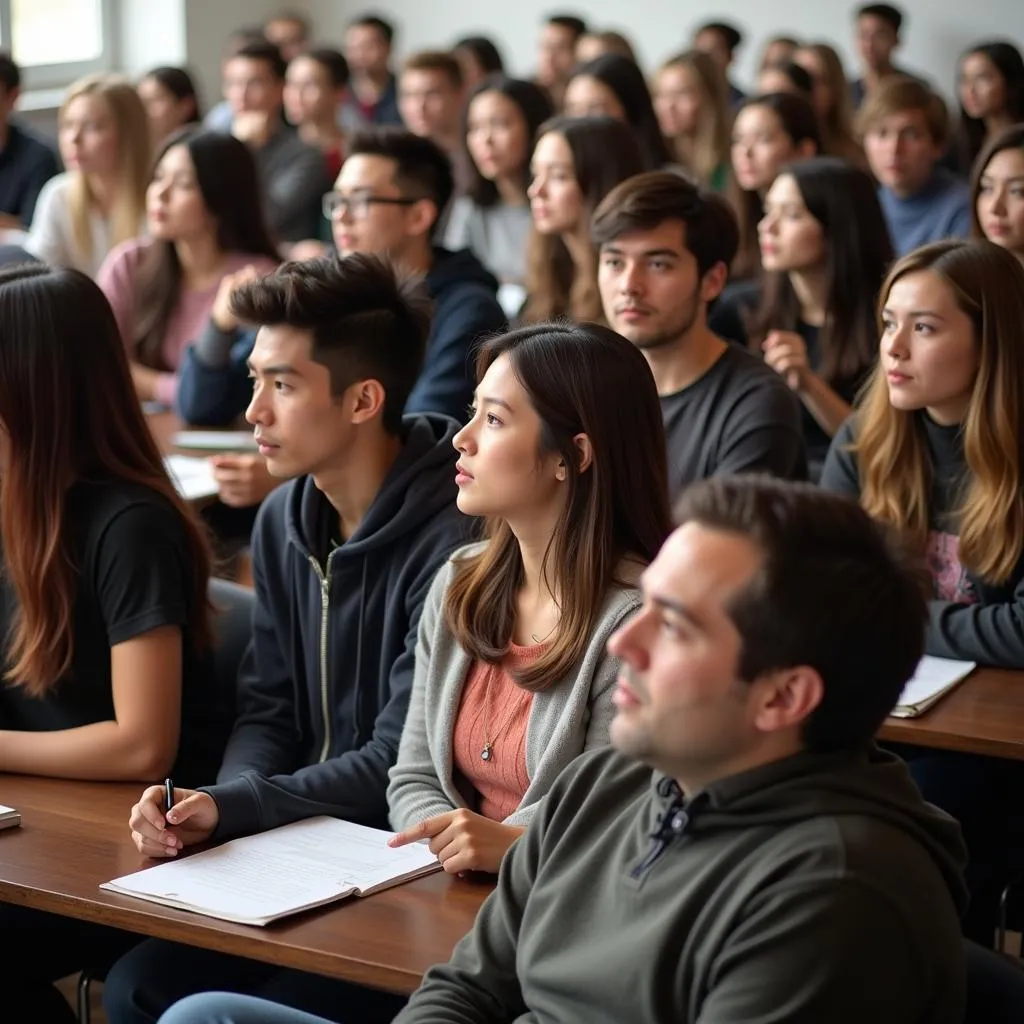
(463, 840)
(243, 479)
(191, 820)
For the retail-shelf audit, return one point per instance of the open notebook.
(258, 879)
(9, 817)
(934, 678)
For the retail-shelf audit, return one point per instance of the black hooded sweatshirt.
(324, 686)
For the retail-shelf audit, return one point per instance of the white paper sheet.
(192, 477)
(933, 677)
(215, 440)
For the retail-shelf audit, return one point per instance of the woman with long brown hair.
(103, 606)
(691, 99)
(832, 102)
(576, 162)
(936, 450)
(512, 677)
(205, 214)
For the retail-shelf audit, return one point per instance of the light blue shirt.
(942, 209)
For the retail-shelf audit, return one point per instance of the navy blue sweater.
(324, 686)
(213, 384)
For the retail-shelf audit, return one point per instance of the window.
(56, 41)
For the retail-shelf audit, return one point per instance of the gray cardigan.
(572, 716)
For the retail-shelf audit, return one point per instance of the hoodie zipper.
(325, 607)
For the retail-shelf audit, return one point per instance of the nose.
(631, 279)
(999, 203)
(258, 410)
(895, 343)
(462, 441)
(626, 643)
(535, 188)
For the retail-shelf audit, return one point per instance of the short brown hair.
(435, 60)
(900, 94)
(644, 201)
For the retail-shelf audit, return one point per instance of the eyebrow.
(612, 248)
(268, 371)
(1013, 177)
(495, 401)
(679, 609)
(918, 312)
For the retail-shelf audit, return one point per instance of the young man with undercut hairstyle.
(343, 557)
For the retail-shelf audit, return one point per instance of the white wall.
(936, 30)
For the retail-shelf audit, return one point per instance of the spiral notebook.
(261, 878)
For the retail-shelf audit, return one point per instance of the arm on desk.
(990, 634)
(351, 785)
(213, 378)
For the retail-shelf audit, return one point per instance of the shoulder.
(54, 194)
(240, 260)
(601, 775)
(841, 474)
(122, 513)
(32, 148)
(125, 257)
(747, 377)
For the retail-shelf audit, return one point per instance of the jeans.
(41, 948)
(156, 974)
(229, 1008)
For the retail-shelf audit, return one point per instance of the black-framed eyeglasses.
(359, 205)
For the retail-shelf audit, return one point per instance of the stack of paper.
(192, 477)
(258, 879)
(934, 678)
(215, 440)
(9, 817)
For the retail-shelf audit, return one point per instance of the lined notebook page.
(256, 879)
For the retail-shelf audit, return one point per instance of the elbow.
(152, 758)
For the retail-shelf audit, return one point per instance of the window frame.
(60, 75)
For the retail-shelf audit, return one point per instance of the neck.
(102, 189)
(811, 288)
(677, 364)
(417, 257)
(950, 414)
(693, 779)
(510, 191)
(534, 540)
(320, 133)
(201, 260)
(996, 124)
(352, 488)
(371, 82)
(874, 75)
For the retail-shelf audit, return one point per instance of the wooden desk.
(163, 426)
(74, 835)
(983, 715)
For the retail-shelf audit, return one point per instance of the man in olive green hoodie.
(745, 853)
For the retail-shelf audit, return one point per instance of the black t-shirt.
(129, 546)
(740, 417)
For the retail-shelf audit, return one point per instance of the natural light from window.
(56, 31)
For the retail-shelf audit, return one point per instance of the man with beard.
(665, 250)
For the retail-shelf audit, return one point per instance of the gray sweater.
(566, 719)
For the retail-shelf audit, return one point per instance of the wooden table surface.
(74, 835)
(983, 715)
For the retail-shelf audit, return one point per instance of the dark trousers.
(41, 948)
(973, 789)
(156, 974)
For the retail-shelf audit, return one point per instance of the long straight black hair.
(858, 252)
(227, 178)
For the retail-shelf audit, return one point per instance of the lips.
(460, 470)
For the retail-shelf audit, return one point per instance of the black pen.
(168, 794)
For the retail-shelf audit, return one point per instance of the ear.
(367, 400)
(585, 450)
(421, 217)
(713, 282)
(787, 697)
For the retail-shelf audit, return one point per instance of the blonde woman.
(100, 200)
(935, 449)
(831, 101)
(691, 100)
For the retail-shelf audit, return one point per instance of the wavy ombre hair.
(575, 376)
(68, 412)
(134, 158)
(987, 283)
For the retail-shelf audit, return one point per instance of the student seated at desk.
(386, 200)
(664, 250)
(343, 558)
(512, 677)
(205, 222)
(935, 452)
(743, 851)
(103, 606)
(100, 199)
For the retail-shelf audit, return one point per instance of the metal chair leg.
(84, 1009)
